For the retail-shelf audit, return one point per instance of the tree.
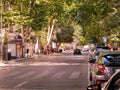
(92, 15)
(96, 18)
(65, 35)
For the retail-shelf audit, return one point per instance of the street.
(50, 72)
(59, 44)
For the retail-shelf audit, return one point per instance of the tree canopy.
(97, 18)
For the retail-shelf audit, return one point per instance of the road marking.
(80, 57)
(12, 74)
(41, 75)
(54, 64)
(59, 74)
(26, 74)
(75, 75)
(21, 84)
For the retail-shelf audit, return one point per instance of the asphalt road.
(51, 72)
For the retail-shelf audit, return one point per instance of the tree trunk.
(49, 34)
(50, 31)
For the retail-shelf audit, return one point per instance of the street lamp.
(1, 32)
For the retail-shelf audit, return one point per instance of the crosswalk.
(47, 73)
(41, 75)
(51, 75)
(75, 75)
(26, 74)
(46, 64)
(59, 74)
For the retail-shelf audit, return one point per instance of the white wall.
(12, 49)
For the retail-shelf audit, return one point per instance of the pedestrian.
(45, 51)
(27, 52)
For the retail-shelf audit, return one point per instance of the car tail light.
(101, 68)
(98, 82)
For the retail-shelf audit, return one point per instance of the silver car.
(112, 84)
(103, 66)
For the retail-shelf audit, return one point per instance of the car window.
(113, 59)
(99, 57)
(96, 54)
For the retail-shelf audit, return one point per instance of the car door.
(112, 63)
(99, 60)
(95, 68)
(113, 83)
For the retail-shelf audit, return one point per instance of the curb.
(12, 61)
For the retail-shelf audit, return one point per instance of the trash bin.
(9, 56)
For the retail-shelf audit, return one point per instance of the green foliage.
(38, 14)
(97, 18)
(65, 35)
(82, 41)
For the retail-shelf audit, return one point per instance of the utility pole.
(1, 32)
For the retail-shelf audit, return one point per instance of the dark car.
(77, 51)
(103, 66)
(112, 84)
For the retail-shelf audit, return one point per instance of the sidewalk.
(21, 60)
(13, 61)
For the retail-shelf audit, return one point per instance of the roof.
(106, 52)
(102, 47)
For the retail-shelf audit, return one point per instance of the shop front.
(16, 47)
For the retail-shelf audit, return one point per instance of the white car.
(112, 84)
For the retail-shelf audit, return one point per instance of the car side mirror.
(92, 60)
(94, 87)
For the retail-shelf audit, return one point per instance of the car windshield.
(113, 57)
(112, 60)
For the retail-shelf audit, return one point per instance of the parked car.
(91, 52)
(102, 48)
(103, 66)
(77, 51)
(112, 84)
(94, 50)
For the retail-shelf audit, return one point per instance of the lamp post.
(1, 31)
